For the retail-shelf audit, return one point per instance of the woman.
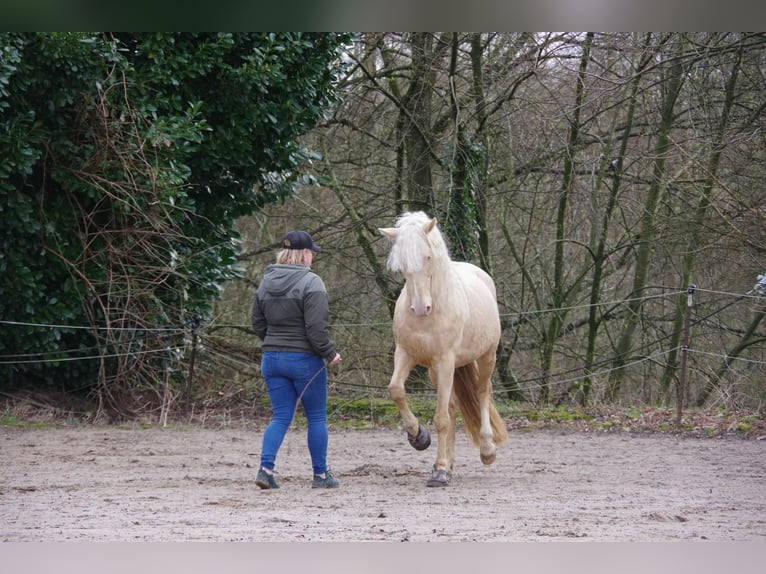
(291, 316)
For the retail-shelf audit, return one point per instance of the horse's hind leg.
(487, 447)
(417, 434)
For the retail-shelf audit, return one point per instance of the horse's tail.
(467, 394)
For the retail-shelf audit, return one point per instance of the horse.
(445, 319)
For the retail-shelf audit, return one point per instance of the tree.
(570, 181)
(672, 83)
(125, 160)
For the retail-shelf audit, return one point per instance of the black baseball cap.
(300, 240)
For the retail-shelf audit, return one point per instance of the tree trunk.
(645, 240)
(599, 257)
(559, 295)
(698, 224)
(480, 190)
(417, 127)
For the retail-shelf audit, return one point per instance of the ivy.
(461, 220)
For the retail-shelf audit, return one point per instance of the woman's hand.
(336, 359)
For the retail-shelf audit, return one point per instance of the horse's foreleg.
(451, 433)
(417, 434)
(442, 375)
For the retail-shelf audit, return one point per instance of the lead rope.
(300, 396)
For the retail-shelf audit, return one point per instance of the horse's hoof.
(439, 477)
(422, 441)
(488, 459)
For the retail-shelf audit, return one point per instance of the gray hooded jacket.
(290, 312)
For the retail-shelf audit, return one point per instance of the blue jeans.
(290, 377)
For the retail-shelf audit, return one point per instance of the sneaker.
(265, 480)
(329, 481)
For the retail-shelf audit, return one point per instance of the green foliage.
(124, 161)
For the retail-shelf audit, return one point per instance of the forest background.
(611, 183)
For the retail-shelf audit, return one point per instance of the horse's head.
(412, 255)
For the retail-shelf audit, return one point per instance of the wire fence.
(194, 336)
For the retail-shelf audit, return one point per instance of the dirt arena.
(99, 483)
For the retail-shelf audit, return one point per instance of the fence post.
(189, 380)
(684, 352)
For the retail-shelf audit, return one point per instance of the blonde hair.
(290, 257)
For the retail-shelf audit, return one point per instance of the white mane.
(412, 243)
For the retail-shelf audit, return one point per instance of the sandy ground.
(98, 483)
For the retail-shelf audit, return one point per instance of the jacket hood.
(278, 279)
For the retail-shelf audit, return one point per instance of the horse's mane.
(406, 255)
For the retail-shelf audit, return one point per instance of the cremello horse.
(446, 319)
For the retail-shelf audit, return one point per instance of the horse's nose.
(421, 311)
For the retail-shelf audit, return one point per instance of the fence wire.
(147, 338)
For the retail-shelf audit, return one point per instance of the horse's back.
(469, 272)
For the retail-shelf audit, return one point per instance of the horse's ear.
(390, 232)
(428, 227)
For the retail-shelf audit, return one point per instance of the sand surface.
(102, 483)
